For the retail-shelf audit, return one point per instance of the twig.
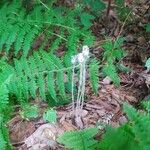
(108, 8)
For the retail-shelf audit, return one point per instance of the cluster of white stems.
(79, 59)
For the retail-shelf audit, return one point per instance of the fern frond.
(51, 85)
(60, 76)
(29, 40)
(146, 105)
(94, 74)
(134, 134)
(79, 140)
(122, 10)
(18, 30)
(3, 143)
(111, 71)
(5, 77)
(36, 77)
(148, 27)
(113, 53)
(3, 97)
(130, 111)
(4, 135)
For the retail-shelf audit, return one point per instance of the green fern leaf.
(130, 111)
(110, 70)
(32, 82)
(12, 37)
(3, 96)
(148, 27)
(3, 143)
(146, 105)
(60, 84)
(94, 74)
(122, 10)
(29, 112)
(86, 19)
(51, 85)
(79, 140)
(41, 85)
(72, 41)
(95, 5)
(50, 116)
(3, 39)
(19, 41)
(60, 76)
(28, 40)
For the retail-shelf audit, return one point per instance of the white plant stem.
(73, 75)
(79, 88)
(80, 59)
(83, 85)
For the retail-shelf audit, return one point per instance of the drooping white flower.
(85, 51)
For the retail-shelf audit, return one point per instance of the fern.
(97, 6)
(3, 143)
(4, 135)
(15, 30)
(5, 107)
(134, 135)
(148, 27)
(29, 112)
(94, 74)
(18, 30)
(5, 78)
(35, 77)
(79, 140)
(50, 116)
(122, 10)
(42, 75)
(112, 53)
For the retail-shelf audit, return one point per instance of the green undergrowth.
(133, 135)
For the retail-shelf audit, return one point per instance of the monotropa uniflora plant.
(77, 104)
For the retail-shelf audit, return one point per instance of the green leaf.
(96, 5)
(50, 116)
(147, 64)
(119, 42)
(130, 111)
(148, 27)
(79, 140)
(94, 74)
(3, 143)
(123, 68)
(146, 105)
(29, 112)
(110, 70)
(86, 19)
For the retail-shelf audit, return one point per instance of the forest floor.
(106, 107)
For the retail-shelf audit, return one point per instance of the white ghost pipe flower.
(80, 58)
(74, 60)
(85, 51)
